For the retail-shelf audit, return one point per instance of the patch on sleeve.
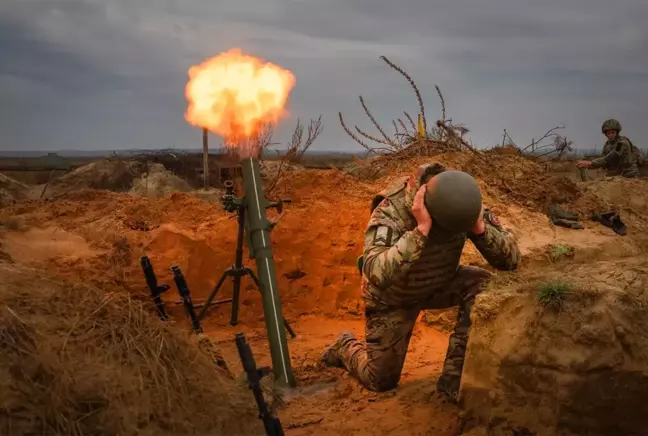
(383, 236)
(492, 219)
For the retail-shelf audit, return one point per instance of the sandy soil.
(96, 237)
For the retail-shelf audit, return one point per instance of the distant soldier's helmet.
(611, 124)
(454, 201)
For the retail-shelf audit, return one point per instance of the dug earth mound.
(550, 356)
(528, 370)
(77, 360)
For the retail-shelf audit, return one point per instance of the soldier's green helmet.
(455, 201)
(611, 124)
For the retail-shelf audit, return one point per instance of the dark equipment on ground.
(183, 290)
(611, 220)
(563, 218)
(238, 270)
(156, 290)
(272, 424)
(455, 202)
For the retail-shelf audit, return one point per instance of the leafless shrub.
(409, 138)
(545, 142)
(297, 147)
(264, 137)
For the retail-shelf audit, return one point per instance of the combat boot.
(331, 356)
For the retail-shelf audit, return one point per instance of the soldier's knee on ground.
(382, 383)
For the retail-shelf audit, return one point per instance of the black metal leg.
(236, 293)
(289, 329)
(207, 302)
(195, 322)
(255, 279)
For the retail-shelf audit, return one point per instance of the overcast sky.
(109, 74)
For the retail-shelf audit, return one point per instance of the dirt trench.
(96, 237)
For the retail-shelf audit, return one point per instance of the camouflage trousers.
(629, 172)
(378, 362)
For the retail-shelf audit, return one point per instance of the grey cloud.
(31, 58)
(116, 69)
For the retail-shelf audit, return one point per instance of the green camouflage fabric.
(402, 267)
(378, 362)
(619, 157)
(405, 272)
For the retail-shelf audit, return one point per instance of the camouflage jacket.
(619, 157)
(403, 267)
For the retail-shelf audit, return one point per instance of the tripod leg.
(289, 329)
(207, 302)
(256, 281)
(236, 293)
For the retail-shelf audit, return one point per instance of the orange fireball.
(234, 94)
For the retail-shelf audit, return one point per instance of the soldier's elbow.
(513, 261)
(510, 262)
(374, 274)
(514, 264)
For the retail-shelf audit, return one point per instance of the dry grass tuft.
(552, 294)
(79, 361)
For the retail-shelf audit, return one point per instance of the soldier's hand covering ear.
(420, 212)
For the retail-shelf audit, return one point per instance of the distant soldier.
(619, 157)
(412, 247)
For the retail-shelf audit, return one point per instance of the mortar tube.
(259, 240)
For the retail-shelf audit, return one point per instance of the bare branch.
(412, 123)
(454, 136)
(375, 123)
(396, 130)
(297, 146)
(264, 137)
(402, 124)
(443, 108)
(413, 85)
(370, 137)
(314, 130)
(281, 171)
(551, 133)
(350, 133)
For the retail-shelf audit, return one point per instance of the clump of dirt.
(158, 182)
(110, 174)
(550, 355)
(78, 360)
